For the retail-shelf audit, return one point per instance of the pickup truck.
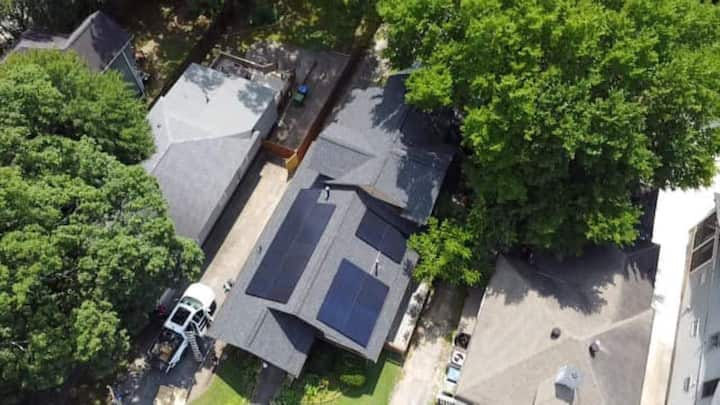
(187, 324)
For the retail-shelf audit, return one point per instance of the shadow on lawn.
(373, 376)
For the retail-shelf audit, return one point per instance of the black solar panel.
(382, 236)
(353, 303)
(291, 249)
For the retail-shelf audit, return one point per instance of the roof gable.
(98, 39)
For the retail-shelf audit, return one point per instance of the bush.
(352, 380)
(349, 363)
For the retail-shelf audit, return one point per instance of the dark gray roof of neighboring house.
(248, 321)
(98, 39)
(603, 296)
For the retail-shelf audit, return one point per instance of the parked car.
(188, 322)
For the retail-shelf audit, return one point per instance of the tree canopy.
(58, 16)
(86, 245)
(569, 107)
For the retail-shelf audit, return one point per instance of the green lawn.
(381, 379)
(234, 382)
(320, 383)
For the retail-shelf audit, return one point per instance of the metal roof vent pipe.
(567, 382)
(555, 333)
(594, 348)
(327, 193)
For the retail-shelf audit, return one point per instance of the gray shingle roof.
(207, 130)
(243, 316)
(604, 296)
(98, 39)
(387, 148)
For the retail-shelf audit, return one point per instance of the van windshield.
(180, 316)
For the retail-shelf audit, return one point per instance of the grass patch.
(321, 381)
(164, 31)
(234, 382)
(311, 24)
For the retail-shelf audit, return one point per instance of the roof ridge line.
(80, 29)
(619, 323)
(353, 148)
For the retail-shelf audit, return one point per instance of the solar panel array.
(291, 249)
(382, 236)
(353, 303)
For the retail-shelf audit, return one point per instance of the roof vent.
(569, 377)
(327, 193)
(594, 348)
(555, 333)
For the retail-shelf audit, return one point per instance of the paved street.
(227, 248)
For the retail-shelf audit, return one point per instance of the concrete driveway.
(226, 249)
(430, 350)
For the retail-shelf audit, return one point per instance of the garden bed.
(335, 376)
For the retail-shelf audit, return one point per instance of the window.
(200, 319)
(708, 388)
(213, 307)
(701, 255)
(686, 384)
(694, 328)
(705, 231)
(714, 341)
(180, 316)
(702, 249)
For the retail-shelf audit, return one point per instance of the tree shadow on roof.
(208, 80)
(255, 97)
(582, 283)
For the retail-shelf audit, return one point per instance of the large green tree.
(568, 106)
(86, 245)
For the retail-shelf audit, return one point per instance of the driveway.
(229, 244)
(430, 349)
